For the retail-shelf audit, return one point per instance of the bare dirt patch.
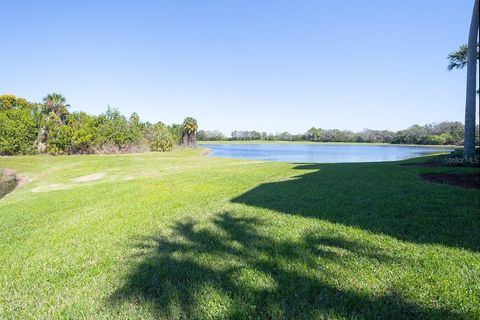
(464, 180)
(89, 177)
(207, 152)
(46, 187)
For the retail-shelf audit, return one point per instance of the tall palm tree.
(471, 96)
(57, 104)
(190, 128)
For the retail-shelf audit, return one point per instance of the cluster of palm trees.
(467, 56)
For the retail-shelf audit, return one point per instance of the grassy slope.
(177, 235)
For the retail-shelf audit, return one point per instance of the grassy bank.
(179, 235)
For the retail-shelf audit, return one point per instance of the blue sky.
(258, 65)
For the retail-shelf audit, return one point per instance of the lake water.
(320, 153)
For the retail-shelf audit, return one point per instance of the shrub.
(59, 137)
(84, 128)
(160, 138)
(177, 132)
(113, 128)
(19, 125)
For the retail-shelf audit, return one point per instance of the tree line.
(50, 128)
(443, 133)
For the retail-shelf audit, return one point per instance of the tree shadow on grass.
(386, 198)
(229, 269)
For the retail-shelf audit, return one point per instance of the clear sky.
(258, 65)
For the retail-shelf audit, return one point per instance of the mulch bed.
(464, 180)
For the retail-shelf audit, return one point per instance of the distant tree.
(190, 128)
(207, 135)
(271, 137)
(202, 135)
(374, 136)
(236, 135)
(285, 136)
(312, 134)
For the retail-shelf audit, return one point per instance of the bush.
(85, 137)
(177, 132)
(59, 136)
(19, 125)
(160, 138)
(113, 128)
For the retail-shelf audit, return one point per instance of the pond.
(321, 153)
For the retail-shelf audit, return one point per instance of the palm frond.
(458, 59)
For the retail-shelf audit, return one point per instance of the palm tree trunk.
(471, 95)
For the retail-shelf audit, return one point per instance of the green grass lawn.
(182, 236)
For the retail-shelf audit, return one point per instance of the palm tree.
(54, 108)
(471, 96)
(458, 59)
(190, 128)
(56, 103)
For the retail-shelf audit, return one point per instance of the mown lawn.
(182, 236)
